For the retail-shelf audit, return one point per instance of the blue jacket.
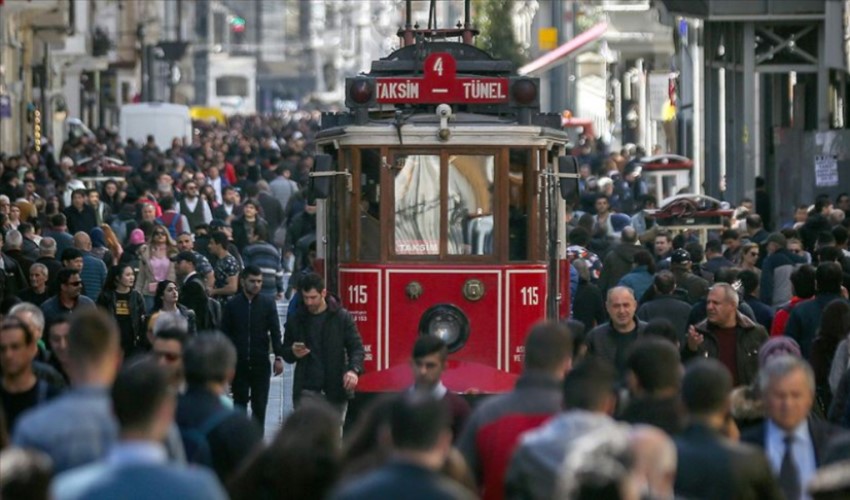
(804, 321)
(776, 277)
(93, 275)
(267, 258)
(399, 479)
(75, 429)
(139, 477)
(639, 280)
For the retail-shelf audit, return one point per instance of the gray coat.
(536, 463)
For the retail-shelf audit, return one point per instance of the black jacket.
(137, 336)
(194, 296)
(749, 338)
(712, 467)
(664, 413)
(250, 324)
(342, 348)
(668, 307)
(240, 231)
(80, 220)
(617, 264)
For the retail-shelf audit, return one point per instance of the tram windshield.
(469, 204)
(470, 197)
(417, 205)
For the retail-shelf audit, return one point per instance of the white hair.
(729, 292)
(34, 311)
(170, 321)
(40, 267)
(781, 366)
(14, 239)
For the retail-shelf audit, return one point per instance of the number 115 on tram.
(442, 213)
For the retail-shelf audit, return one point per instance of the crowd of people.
(140, 329)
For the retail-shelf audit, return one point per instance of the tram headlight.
(361, 91)
(447, 322)
(524, 91)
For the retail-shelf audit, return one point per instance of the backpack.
(14, 280)
(195, 439)
(213, 313)
(172, 226)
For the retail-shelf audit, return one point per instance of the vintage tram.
(442, 210)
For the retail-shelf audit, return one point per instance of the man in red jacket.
(493, 429)
(803, 283)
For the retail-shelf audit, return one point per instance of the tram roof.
(422, 130)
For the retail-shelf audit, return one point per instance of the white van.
(164, 121)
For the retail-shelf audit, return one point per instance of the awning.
(558, 56)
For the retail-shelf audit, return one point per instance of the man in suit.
(137, 466)
(192, 292)
(710, 465)
(793, 443)
(422, 439)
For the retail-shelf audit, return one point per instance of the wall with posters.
(807, 164)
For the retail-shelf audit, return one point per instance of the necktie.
(789, 477)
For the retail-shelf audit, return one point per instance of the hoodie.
(617, 264)
(536, 462)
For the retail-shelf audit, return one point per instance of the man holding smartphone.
(323, 342)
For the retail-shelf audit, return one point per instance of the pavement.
(280, 390)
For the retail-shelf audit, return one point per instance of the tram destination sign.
(439, 84)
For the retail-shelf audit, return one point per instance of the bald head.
(655, 459)
(628, 235)
(82, 242)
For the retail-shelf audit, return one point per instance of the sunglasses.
(159, 233)
(754, 254)
(75, 283)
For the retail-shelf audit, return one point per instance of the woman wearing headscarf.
(98, 246)
(131, 253)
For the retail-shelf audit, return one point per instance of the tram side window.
(370, 205)
(470, 204)
(417, 204)
(520, 159)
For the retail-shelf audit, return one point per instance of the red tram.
(442, 210)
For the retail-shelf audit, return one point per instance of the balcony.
(737, 10)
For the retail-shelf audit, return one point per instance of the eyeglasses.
(171, 357)
(75, 283)
(159, 233)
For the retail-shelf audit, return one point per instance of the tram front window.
(470, 204)
(417, 205)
